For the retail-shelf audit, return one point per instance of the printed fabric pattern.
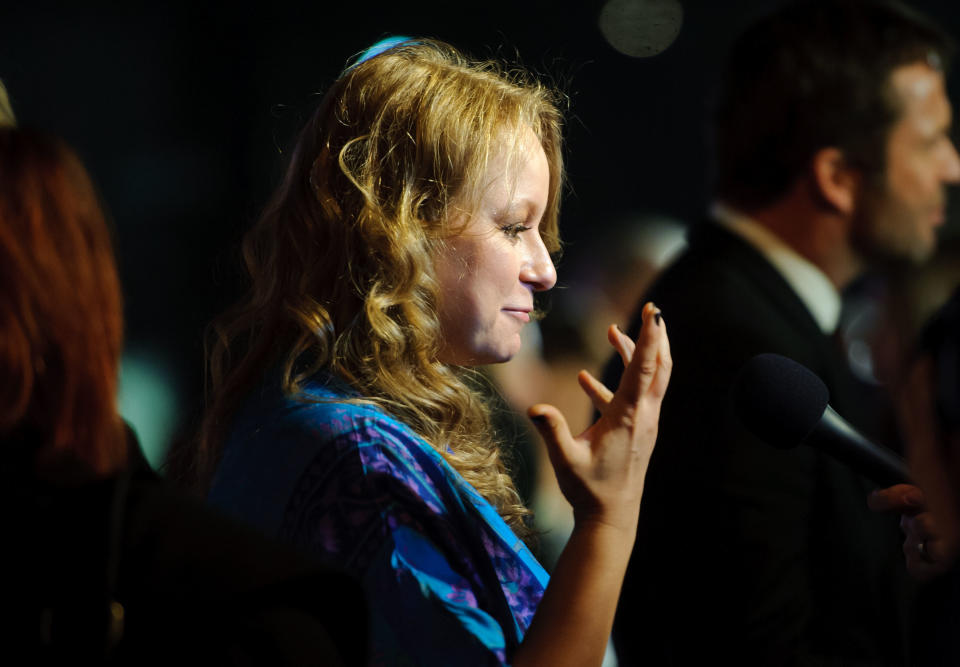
(448, 581)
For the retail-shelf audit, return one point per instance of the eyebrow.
(524, 205)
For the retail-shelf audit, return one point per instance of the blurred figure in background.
(918, 352)
(106, 565)
(929, 410)
(832, 155)
(62, 320)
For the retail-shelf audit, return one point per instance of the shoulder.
(723, 293)
(324, 417)
(358, 455)
(715, 270)
(348, 426)
(315, 447)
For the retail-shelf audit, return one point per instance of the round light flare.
(641, 28)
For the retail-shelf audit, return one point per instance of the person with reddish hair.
(106, 564)
(60, 309)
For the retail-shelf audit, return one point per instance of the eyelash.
(513, 231)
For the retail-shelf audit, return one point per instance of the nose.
(951, 167)
(538, 270)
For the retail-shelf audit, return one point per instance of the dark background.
(183, 113)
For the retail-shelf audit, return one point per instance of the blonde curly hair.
(341, 261)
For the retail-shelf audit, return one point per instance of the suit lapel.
(760, 273)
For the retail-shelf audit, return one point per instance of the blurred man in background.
(832, 156)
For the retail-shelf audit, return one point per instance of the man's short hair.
(811, 75)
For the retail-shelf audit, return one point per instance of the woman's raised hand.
(601, 471)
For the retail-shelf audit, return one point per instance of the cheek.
(491, 273)
(502, 270)
(913, 180)
(477, 278)
(463, 285)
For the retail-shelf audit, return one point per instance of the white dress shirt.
(811, 284)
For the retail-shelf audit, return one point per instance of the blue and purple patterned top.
(448, 581)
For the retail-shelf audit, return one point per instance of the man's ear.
(834, 180)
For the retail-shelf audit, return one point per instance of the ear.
(834, 180)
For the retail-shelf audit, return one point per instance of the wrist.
(618, 532)
(622, 516)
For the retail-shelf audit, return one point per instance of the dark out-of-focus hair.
(61, 325)
(7, 119)
(941, 340)
(811, 75)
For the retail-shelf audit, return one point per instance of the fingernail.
(657, 316)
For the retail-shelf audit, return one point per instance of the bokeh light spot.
(641, 28)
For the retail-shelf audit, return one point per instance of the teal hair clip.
(383, 45)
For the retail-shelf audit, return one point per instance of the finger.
(595, 390)
(925, 526)
(923, 556)
(640, 372)
(664, 359)
(621, 342)
(904, 498)
(552, 426)
(914, 533)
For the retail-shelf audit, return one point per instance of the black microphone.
(785, 404)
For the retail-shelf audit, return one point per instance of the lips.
(522, 314)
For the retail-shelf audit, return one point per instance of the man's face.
(897, 219)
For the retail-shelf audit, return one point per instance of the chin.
(483, 352)
(922, 255)
(919, 250)
(498, 356)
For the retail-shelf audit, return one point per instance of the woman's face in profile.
(489, 272)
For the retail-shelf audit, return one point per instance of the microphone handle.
(835, 436)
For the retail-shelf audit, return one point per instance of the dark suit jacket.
(745, 551)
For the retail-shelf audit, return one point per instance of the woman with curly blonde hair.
(403, 247)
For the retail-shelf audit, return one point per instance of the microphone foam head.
(779, 400)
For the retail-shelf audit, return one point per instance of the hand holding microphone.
(785, 404)
(925, 549)
(928, 522)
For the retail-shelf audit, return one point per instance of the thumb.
(903, 498)
(553, 428)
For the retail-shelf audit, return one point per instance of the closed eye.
(514, 231)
